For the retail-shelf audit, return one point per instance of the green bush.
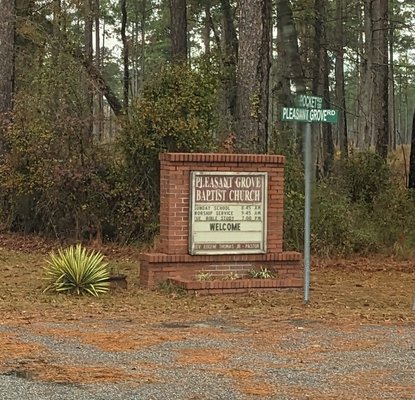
(394, 216)
(294, 204)
(75, 270)
(338, 225)
(363, 176)
(176, 113)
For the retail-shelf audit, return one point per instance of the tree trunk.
(7, 64)
(126, 72)
(411, 182)
(143, 42)
(340, 86)
(229, 57)
(321, 85)
(7, 46)
(365, 100)
(254, 62)
(392, 102)
(206, 29)
(99, 96)
(88, 54)
(178, 28)
(289, 45)
(289, 71)
(54, 105)
(381, 76)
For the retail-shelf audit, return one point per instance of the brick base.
(158, 267)
(235, 286)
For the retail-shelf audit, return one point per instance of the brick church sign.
(221, 214)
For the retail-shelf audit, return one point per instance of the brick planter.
(157, 267)
(235, 286)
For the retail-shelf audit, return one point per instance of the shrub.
(339, 227)
(294, 204)
(394, 216)
(363, 176)
(176, 113)
(75, 270)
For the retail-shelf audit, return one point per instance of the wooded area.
(92, 91)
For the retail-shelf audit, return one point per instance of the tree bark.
(254, 62)
(99, 96)
(7, 64)
(207, 27)
(229, 58)
(340, 85)
(289, 71)
(365, 100)
(143, 42)
(102, 85)
(7, 53)
(392, 100)
(289, 45)
(411, 182)
(321, 85)
(381, 75)
(88, 54)
(126, 72)
(178, 34)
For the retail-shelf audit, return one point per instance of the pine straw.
(203, 356)
(85, 374)
(12, 348)
(128, 340)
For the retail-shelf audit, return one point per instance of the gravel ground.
(212, 359)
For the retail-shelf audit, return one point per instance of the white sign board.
(228, 212)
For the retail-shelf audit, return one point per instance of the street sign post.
(309, 109)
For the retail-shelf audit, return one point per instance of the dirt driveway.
(214, 358)
(355, 340)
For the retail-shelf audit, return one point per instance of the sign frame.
(192, 202)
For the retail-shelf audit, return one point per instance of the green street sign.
(309, 115)
(305, 101)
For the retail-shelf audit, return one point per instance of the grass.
(365, 288)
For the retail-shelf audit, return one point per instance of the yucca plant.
(75, 270)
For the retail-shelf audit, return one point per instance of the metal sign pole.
(309, 109)
(307, 210)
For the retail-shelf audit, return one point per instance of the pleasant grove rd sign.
(309, 109)
(309, 115)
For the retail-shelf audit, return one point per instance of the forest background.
(92, 91)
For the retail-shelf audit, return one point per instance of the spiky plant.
(76, 270)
